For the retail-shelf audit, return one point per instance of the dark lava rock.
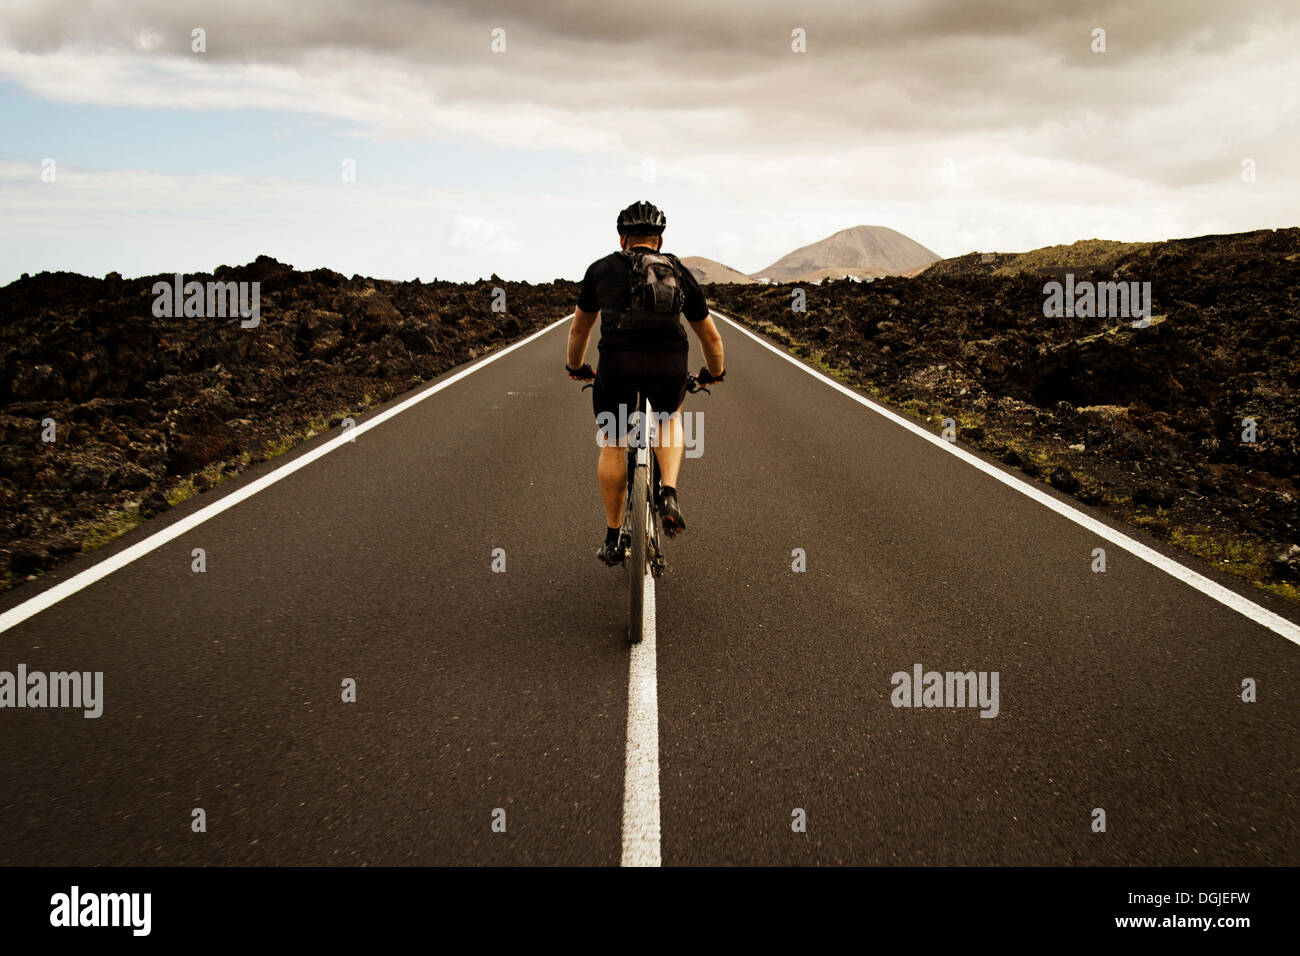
(155, 503)
(65, 545)
(143, 404)
(28, 559)
(1063, 480)
(1286, 563)
(1154, 495)
(209, 442)
(1089, 496)
(132, 475)
(1159, 409)
(83, 477)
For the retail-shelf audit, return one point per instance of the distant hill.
(1081, 256)
(707, 271)
(862, 251)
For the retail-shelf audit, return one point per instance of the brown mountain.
(863, 251)
(707, 271)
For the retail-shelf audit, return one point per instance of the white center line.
(641, 764)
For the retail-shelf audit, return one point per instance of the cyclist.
(651, 359)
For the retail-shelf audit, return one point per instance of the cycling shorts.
(661, 377)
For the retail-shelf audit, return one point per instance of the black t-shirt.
(607, 285)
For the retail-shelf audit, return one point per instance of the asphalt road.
(486, 695)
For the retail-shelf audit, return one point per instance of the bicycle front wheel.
(640, 511)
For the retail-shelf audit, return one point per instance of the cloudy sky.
(504, 136)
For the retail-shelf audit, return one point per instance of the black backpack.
(655, 293)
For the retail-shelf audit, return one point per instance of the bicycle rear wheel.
(636, 562)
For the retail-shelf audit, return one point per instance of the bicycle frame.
(639, 531)
(642, 455)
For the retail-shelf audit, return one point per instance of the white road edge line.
(641, 762)
(1228, 598)
(21, 612)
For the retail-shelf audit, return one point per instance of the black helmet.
(641, 219)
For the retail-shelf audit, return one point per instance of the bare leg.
(669, 449)
(611, 473)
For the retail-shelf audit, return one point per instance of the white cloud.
(755, 150)
(478, 235)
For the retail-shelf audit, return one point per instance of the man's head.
(654, 242)
(641, 224)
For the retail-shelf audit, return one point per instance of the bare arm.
(579, 336)
(711, 343)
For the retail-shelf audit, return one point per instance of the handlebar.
(692, 385)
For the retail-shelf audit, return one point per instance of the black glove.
(586, 373)
(705, 378)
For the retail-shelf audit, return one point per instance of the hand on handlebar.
(584, 374)
(705, 377)
(696, 383)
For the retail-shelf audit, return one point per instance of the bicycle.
(639, 536)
